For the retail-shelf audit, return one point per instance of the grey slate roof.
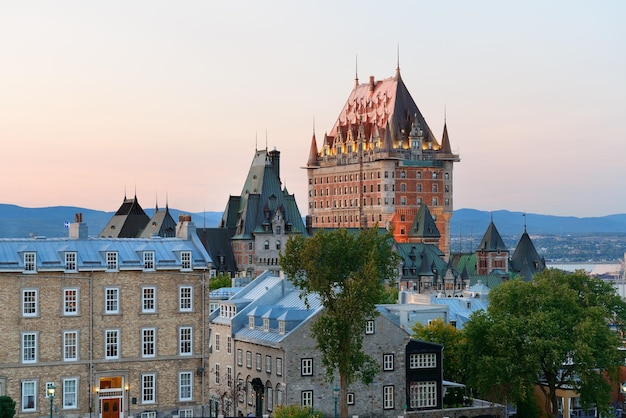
(217, 243)
(128, 222)
(492, 241)
(424, 225)
(526, 260)
(161, 224)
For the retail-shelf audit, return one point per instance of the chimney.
(372, 85)
(78, 229)
(185, 229)
(275, 160)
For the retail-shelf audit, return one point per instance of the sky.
(169, 100)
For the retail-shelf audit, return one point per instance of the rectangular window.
(268, 364)
(229, 376)
(70, 390)
(185, 260)
(148, 386)
(259, 361)
(350, 398)
(70, 261)
(29, 347)
(306, 399)
(111, 257)
(185, 413)
(148, 260)
(112, 300)
(150, 414)
(185, 335)
(185, 390)
(70, 302)
(239, 357)
(248, 359)
(29, 302)
(279, 366)
(29, 400)
(185, 299)
(270, 399)
(111, 344)
(387, 397)
(30, 262)
(387, 362)
(307, 367)
(423, 361)
(217, 374)
(423, 394)
(148, 299)
(369, 327)
(229, 344)
(148, 342)
(70, 345)
(217, 342)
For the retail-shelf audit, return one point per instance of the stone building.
(117, 325)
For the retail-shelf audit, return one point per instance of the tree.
(7, 407)
(554, 330)
(347, 272)
(221, 280)
(453, 341)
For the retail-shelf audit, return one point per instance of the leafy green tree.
(453, 341)
(7, 407)
(295, 411)
(221, 280)
(553, 330)
(347, 272)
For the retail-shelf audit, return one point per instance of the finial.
(265, 140)
(445, 114)
(156, 204)
(524, 215)
(256, 141)
(398, 59)
(313, 125)
(356, 70)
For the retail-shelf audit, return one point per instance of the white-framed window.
(423, 394)
(111, 300)
(306, 399)
(249, 359)
(251, 321)
(369, 326)
(239, 357)
(350, 398)
(279, 397)
(185, 260)
(388, 362)
(185, 413)
(268, 364)
(259, 361)
(30, 262)
(29, 303)
(279, 366)
(306, 367)
(111, 257)
(70, 345)
(29, 347)
(217, 342)
(148, 260)
(70, 261)
(148, 388)
(70, 392)
(185, 338)
(217, 374)
(266, 324)
(29, 395)
(229, 376)
(112, 344)
(148, 342)
(149, 414)
(388, 397)
(70, 301)
(185, 299)
(229, 344)
(422, 360)
(185, 386)
(148, 299)
(281, 327)
(270, 398)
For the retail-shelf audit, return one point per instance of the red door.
(110, 408)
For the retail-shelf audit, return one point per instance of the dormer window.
(185, 260)
(112, 263)
(266, 324)
(70, 261)
(251, 322)
(148, 260)
(281, 327)
(30, 262)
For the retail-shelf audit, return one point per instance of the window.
(70, 388)
(111, 344)
(248, 359)
(148, 382)
(149, 414)
(266, 245)
(29, 302)
(350, 398)
(435, 201)
(268, 364)
(185, 299)
(185, 335)
(249, 246)
(229, 344)
(307, 367)
(306, 399)
(29, 400)
(387, 362)
(111, 258)
(29, 347)
(239, 357)
(266, 324)
(259, 361)
(369, 327)
(229, 376)
(422, 361)
(279, 366)
(111, 300)
(434, 174)
(70, 261)
(278, 245)
(217, 374)
(185, 413)
(185, 392)
(148, 342)
(270, 398)
(281, 327)
(70, 301)
(387, 397)
(148, 260)
(70, 345)
(423, 394)
(148, 299)
(185, 260)
(30, 262)
(217, 342)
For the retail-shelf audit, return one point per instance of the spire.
(445, 140)
(387, 144)
(156, 203)
(313, 151)
(356, 70)
(398, 62)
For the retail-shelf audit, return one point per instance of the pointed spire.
(398, 62)
(313, 151)
(387, 143)
(445, 140)
(356, 70)
(156, 204)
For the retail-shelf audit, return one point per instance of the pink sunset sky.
(171, 98)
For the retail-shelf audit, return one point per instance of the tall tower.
(380, 163)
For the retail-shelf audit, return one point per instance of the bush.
(7, 407)
(295, 411)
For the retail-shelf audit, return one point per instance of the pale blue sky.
(168, 97)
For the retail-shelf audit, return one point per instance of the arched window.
(278, 245)
(266, 245)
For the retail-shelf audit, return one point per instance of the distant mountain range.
(20, 222)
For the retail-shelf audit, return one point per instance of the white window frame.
(306, 399)
(259, 362)
(70, 301)
(369, 327)
(111, 344)
(279, 366)
(268, 364)
(388, 362)
(350, 398)
(388, 399)
(306, 367)
(112, 300)
(249, 359)
(270, 398)
(185, 386)
(216, 344)
(148, 299)
(30, 262)
(185, 341)
(149, 414)
(148, 342)
(185, 298)
(70, 345)
(217, 373)
(185, 413)
(29, 347)
(148, 260)
(29, 390)
(239, 357)
(70, 393)
(423, 394)
(71, 262)
(148, 388)
(112, 260)
(229, 376)
(229, 344)
(185, 260)
(30, 303)
(422, 360)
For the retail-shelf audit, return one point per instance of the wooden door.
(110, 408)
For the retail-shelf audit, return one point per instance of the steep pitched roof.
(128, 222)
(424, 225)
(445, 141)
(312, 152)
(492, 241)
(161, 224)
(526, 259)
(217, 243)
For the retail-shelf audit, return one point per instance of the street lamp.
(50, 391)
(335, 395)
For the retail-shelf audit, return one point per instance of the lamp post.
(50, 391)
(335, 395)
